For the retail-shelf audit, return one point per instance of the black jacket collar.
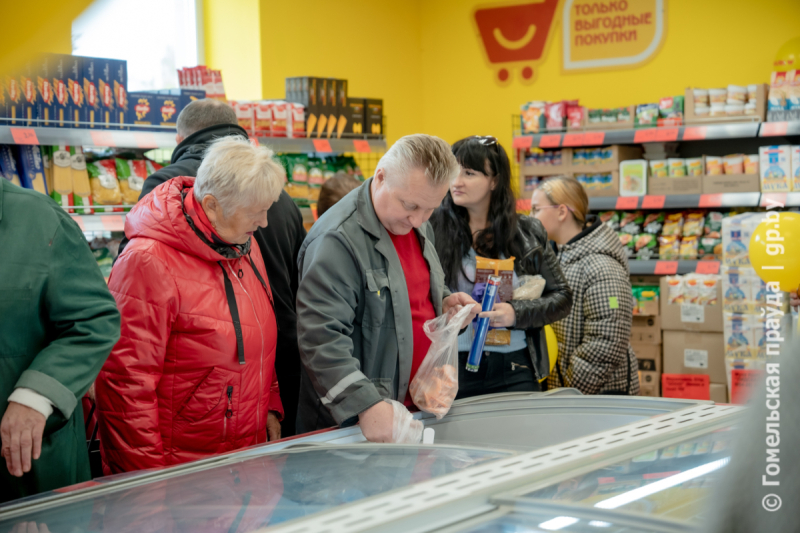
(195, 144)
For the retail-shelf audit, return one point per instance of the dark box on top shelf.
(73, 70)
(113, 91)
(333, 107)
(322, 101)
(341, 108)
(12, 100)
(92, 67)
(28, 101)
(151, 109)
(355, 116)
(57, 66)
(304, 90)
(374, 117)
(46, 97)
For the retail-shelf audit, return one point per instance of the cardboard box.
(91, 68)
(373, 112)
(648, 356)
(646, 330)
(45, 94)
(668, 186)
(357, 124)
(610, 188)
(342, 108)
(691, 317)
(759, 116)
(623, 125)
(719, 393)
(619, 153)
(695, 353)
(731, 183)
(303, 90)
(74, 81)
(649, 384)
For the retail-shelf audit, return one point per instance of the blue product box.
(73, 70)
(8, 165)
(28, 95)
(57, 67)
(13, 98)
(185, 96)
(45, 91)
(31, 168)
(92, 112)
(112, 86)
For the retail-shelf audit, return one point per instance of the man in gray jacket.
(358, 316)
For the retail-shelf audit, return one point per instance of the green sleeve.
(81, 319)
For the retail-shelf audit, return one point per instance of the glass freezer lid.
(674, 482)
(254, 492)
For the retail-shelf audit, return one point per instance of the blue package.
(478, 343)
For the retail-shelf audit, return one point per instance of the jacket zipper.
(261, 356)
(228, 413)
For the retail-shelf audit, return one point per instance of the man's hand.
(21, 432)
(377, 422)
(795, 299)
(502, 315)
(453, 304)
(273, 427)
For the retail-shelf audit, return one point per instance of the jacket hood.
(596, 239)
(193, 146)
(159, 216)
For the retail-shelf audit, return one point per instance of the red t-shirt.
(418, 281)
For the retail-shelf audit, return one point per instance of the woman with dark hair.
(478, 219)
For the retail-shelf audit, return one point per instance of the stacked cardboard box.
(693, 346)
(646, 341)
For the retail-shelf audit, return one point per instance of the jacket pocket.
(16, 306)
(206, 396)
(377, 299)
(200, 423)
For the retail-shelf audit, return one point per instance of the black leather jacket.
(556, 300)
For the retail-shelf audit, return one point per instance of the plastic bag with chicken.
(435, 385)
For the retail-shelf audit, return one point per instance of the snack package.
(632, 222)
(296, 121)
(733, 164)
(689, 247)
(737, 94)
(671, 107)
(669, 247)
(775, 166)
(575, 116)
(708, 290)
(677, 167)
(405, 430)
(646, 115)
(739, 340)
(262, 118)
(737, 295)
(296, 166)
(556, 114)
(626, 239)
(710, 248)
(610, 219)
(654, 223)
(691, 288)
(694, 166)
(245, 114)
(718, 96)
(645, 246)
(633, 177)
(533, 117)
(779, 82)
(529, 287)
(700, 96)
(693, 225)
(435, 384)
(713, 165)
(673, 225)
(676, 290)
(713, 225)
(131, 175)
(105, 187)
(659, 168)
(504, 268)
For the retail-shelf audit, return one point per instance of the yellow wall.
(375, 44)
(232, 35)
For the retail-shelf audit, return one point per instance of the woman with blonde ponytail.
(594, 351)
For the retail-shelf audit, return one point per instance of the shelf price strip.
(773, 129)
(24, 136)
(707, 267)
(550, 141)
(362, 146)
(653, 202)
(696, 133)
(522, 142)
(627, 202)
(103, 138)
(666, 268)
(322, 145)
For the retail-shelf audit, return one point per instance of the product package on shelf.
(776, 168)
(81, 188)
(47, 164)
(62, 191)
(104, 184)
(31, 168)
(8, 165)
(131, 175)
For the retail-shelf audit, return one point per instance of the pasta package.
(104, 184)
(131, 175)
(81, 189)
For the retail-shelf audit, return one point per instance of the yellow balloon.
(552, 347)
(788, 56)
(775, 250)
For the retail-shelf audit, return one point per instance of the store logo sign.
(516, 36)
(611, 33)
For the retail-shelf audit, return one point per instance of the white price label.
(695, 358)
(693, 313)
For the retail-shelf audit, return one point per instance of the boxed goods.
(91, 76)
(104, 184)
(141, 109)
(645, 300)
(47, 164)
(295, 120)
(131, 175)
(74, 74)
(357, 116)
(8, 165)
(692, 303)
(649, 359)
(304, 91)
(374, 116)
(57, 68)
(795, 168)
(779, 83)
(262, 118)
(670, 111)
(245, 114)
(322, 101)
(751, 164)
(775, 165)
(333, 106)
(62, 176)
(646, 329)
(533, 117)
(342, 108)
(633, 177)
(28, 95)
(646, 115)
(687, 352)
(13, 100)
(45, 95)
(31, 168)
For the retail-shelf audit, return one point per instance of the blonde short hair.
(238, 174)
(420, 151)
(567, 191)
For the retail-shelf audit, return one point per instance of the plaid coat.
(594, 351)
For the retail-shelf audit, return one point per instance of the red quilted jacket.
(173, 389)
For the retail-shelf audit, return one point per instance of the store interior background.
(426, 59)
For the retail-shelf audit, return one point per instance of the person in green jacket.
(58, 323)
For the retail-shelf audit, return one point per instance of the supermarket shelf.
(651, 268)
(100, 221)
(684, 201)
(694, 132)
(166, 139)
(779, 129)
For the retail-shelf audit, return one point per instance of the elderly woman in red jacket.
(193, 373)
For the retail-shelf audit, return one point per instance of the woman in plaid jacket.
(594, 351)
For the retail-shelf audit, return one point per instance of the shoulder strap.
(237, 326)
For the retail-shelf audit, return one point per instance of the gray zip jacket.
(353, 314)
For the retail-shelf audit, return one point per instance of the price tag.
(772, 129)
(322, 145)
(774, 199)
(573, 139)
(24, 136)
(707, 267)
(693, 314)
(103, 138)
(666, 268)
(113, 222)
(145, 139)
(627, 202)
(667, 134)
(686, 386)
(362, 146)
(743, 383)
(522, 142)
(593, 138)
(695, 133)
(645, 136)
(710, 200)
(524, 205)
(550, 141)
(653, 202)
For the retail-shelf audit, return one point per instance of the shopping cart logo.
(516, 35)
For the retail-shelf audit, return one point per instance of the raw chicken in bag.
(435, 385)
